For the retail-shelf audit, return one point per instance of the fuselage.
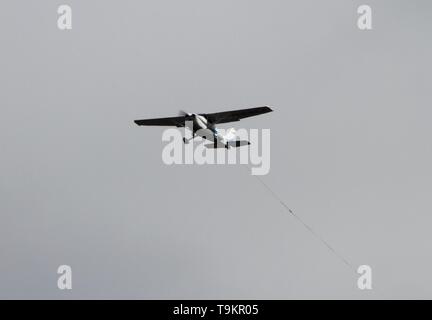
(201, 127)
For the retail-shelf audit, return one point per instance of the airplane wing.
(235, 115)
(173, 121)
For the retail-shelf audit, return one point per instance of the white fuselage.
(201, 127)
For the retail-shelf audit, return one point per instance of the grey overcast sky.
(351, 149)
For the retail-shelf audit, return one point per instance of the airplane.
(204, 125)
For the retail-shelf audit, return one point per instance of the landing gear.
(186, 141)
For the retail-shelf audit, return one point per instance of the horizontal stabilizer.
(237, 143)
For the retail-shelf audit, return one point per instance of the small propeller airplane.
(203, 125)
